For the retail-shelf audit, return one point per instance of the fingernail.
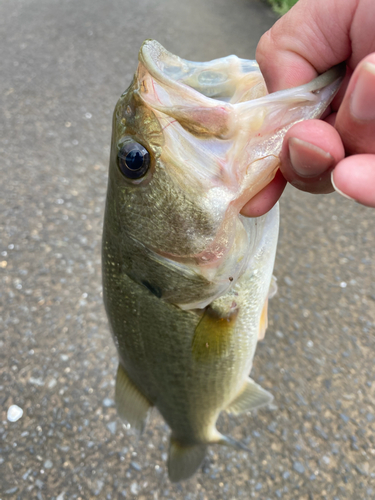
(308, 160)
(362, 102)
(338, 190)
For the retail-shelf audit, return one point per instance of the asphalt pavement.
(63, 66)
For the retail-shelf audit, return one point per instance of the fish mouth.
(225, 101)
(220, 111)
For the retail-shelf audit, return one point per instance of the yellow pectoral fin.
(263, 324)
(263, 321)
(212, 335)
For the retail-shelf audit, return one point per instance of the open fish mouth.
(222, 109)
(222, 133)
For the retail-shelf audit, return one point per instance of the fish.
(187, 278)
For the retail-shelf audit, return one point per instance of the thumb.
(355, 120)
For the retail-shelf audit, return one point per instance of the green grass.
(282, 6)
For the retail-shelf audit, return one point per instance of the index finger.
(312, 37)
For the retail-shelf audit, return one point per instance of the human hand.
(338, 153)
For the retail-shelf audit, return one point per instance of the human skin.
(338, 152)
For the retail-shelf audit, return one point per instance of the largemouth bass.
(186, 277)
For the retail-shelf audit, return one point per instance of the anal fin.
(251, 396)
(184, 460)
(132, 405)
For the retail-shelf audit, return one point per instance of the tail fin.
(184, 460)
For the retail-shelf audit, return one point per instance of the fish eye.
(133, 160)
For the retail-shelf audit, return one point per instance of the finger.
(265, 199)
(310, 151)
(354, 177)
(355, 120)
(305, 42)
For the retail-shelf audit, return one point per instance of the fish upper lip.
(151, 53)
(152, 50)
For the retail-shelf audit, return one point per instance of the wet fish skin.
(186, 279)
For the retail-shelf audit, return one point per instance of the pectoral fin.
(263, 324)
(212, 337)
(251, 396)
(131, 404)
(184, 460)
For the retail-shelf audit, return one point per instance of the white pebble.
(36, 381)
(52, 383)
(14, 413)
(134, 488)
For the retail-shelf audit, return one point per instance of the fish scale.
(186, 278)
